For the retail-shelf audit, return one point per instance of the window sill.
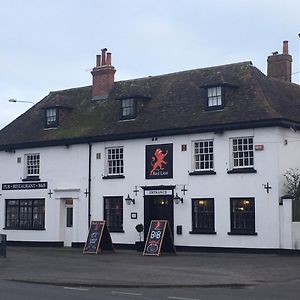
(202, 232)
(14, 228)
(113, 177)
(116, 230)
(32, 178)
(242, 171)
(242, 233)
(195, 173)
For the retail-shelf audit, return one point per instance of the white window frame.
(114, 162)
(32, 164)
(242, 152)
(203, 154)
(51, 117)
(214, 96)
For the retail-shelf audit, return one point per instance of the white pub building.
(205, 149)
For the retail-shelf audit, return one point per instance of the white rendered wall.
(66, 171)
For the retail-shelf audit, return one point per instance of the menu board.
(159, 238)
(98, 238)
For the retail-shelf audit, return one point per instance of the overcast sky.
(52, 45)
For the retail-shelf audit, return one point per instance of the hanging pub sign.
(98, 238)
(159, 161)
(159, 238)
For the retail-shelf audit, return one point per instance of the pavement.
(128, 268)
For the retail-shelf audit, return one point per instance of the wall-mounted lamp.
(129, 200)
(177, 199)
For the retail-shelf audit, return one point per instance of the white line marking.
(123, 293)
(74, 288)
(180, 298)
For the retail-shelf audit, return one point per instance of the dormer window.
(51, 117)
(128, 108)
(215, 97)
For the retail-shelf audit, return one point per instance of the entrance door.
(158, 208)
(68, 223)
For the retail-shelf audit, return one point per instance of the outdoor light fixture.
(129, 200)
(177, 199)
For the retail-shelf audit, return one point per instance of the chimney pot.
(285, 47)
(108, 59)
(98, 60)
(103, 56)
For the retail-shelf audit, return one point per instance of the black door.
(158, 208)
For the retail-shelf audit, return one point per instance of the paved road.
(65, 273)
(25, 291)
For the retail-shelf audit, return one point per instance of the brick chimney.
(280, 65)
(103, 76)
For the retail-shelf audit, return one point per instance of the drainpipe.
(89, 185)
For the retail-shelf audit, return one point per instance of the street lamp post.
(14, 100)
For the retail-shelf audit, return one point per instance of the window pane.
(115, 161)
(242, 215)
(203, 215)
(25, 214)
(203, 155)
(242, 149)
(113, 212)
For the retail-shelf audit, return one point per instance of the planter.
(139, 246)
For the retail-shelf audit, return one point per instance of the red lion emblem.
(158, 161)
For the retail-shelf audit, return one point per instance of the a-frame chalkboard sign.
(159, 238)
(98, 238)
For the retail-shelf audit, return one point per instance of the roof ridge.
(246, 63)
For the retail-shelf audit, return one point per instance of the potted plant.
(139, 244)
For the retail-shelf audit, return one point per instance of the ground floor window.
(242, 214)
(113, 213)
(203, 216)
(25, 214)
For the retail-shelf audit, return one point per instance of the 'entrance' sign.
(159, 238)
(98, 238)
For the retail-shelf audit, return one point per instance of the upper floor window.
(242, 152)
(32, 165)
(114, 161)
(215, 98)
(203, 155)
(242, 214)
(51, 117)
(128, 108)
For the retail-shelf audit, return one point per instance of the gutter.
(89, 184)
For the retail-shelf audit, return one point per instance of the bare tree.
(292, 183)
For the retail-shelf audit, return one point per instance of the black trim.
(32, 178)
(134, 109)
(202, 232)
(242, 171)
(242, 233)
(215, 107)
(113, 176)
(35, 244)
(26, 229)
(158, 187)
(285, 123)
(195, 173)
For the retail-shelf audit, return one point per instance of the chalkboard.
(159, 238)
(98, 238)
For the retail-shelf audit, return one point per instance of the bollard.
(3, 245)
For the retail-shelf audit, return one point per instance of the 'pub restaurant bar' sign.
(159, 161)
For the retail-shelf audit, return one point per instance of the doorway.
(158, 208)
(68, 218)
